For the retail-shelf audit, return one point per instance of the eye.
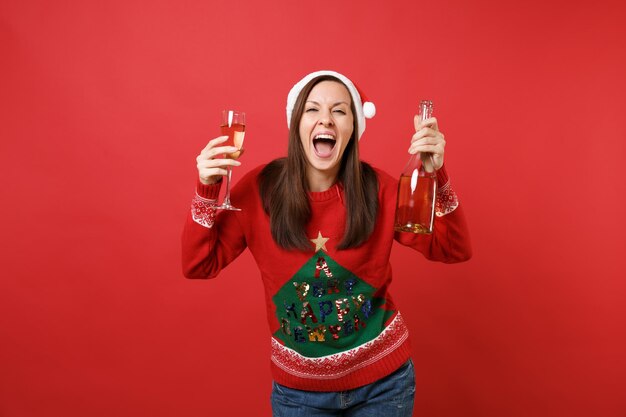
(340, 111)
(310, 109)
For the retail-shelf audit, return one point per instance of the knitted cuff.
(210, 191)
(203, 211)
(204, 203)
(447, 200)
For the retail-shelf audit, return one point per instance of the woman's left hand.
(428, 139)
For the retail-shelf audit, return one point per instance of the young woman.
(319, 224)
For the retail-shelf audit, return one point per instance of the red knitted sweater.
(333, 322)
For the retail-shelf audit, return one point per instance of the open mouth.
(324, 145)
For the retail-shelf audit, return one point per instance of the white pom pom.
(369, 110)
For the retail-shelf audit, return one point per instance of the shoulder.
(248, 181)
(267, 175)
(245, 191)
(252, 175)
(272, 168)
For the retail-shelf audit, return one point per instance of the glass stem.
(227, 196)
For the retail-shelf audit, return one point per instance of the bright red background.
(104, 106)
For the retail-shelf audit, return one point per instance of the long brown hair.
(283, 187)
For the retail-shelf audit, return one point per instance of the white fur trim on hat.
(363, 110)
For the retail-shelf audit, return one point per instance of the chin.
(325, 165)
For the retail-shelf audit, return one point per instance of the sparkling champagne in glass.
(233, 125)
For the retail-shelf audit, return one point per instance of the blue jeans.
(391, 396)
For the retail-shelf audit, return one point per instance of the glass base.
(413, 228)
(227, 207)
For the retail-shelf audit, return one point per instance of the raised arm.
(210, 241)
(449, 241)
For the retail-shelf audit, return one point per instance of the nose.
(326, 118)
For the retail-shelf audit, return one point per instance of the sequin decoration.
(316, 334)
(343, 308)
(318, 289)
(357, 322)
(285, 326)
(290, 309)
(307, 311)
(298, 334)
(348, 328)
(358, 301)
(366, 309)
(203, 211)
(332, 286)
(349, 285)
(446, 201)
(334, 330)
(302, 290)
(321, 265)
(326, 308)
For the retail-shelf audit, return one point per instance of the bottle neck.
(426, 109)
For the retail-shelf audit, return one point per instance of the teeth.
(325, 136)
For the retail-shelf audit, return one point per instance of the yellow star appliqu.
(320, 242)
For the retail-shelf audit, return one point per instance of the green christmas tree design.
(325, 309)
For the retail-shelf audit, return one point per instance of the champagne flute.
(233, 125)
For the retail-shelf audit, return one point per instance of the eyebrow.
(336, 104)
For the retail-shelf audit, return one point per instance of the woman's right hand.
(210, 170)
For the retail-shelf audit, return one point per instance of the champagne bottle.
(415, 207)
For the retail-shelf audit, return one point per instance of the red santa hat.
(364, 109)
